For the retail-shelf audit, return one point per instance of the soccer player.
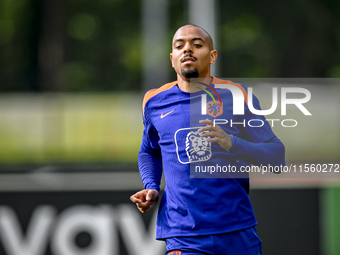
(201, 212)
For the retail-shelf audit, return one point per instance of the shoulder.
(153, 92)
(240, 87)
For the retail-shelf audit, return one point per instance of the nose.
(187, 48)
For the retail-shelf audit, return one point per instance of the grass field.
(69, 127)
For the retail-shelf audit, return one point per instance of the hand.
(145, 199)
(219, 135)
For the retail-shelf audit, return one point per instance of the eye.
(178, 46)
(197, 45)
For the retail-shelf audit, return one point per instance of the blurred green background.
(71, 76)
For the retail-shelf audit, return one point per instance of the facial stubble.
(190, 72)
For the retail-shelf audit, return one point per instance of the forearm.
(271, 152)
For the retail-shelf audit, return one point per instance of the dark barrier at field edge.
(69, 220)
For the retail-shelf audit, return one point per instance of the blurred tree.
(83, 45)
(51, 44)
(103, 46)
(279, 39)
(19, 33)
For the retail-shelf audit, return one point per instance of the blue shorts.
(243, 242)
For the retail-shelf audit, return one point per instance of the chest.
(184, 114)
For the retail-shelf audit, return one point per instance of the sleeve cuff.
(233, 144)
(151, 186)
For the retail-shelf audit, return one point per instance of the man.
(201, 213)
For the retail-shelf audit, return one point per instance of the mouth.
(188, 60)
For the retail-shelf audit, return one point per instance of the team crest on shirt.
(190, 147)
(196, 147)
(214, 109)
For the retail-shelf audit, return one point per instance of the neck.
(192, 86)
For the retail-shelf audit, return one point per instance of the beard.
(190, 72)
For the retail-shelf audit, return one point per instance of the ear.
(213, 56)
(171, 60)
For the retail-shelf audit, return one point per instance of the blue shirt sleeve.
(149, 156)
(271, 152)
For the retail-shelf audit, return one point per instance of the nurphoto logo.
(215, 108)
